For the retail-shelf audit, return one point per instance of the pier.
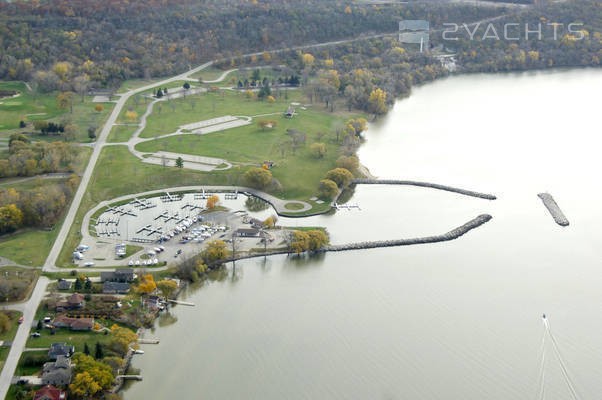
(183, 303)
(423, 184)
(553, 208)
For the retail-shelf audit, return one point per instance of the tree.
(91, 376)
(350, 163)
(65, 100)
(180, 162)
(258, 178)
(317, 239)
(307, 59)
(147, 284)
(216, 250)
(264, 91)
(11, 218)
(88, 285)
(340, 176)
(328, 189)
(299, 242)
(377, 101)
(4, 323)
(122, 338)
(256, 75)
(78, 285)
(212, 201)
(86, 349)
(131, 115)
(71, 132)
(99, 108)
(159, 93)
(92, 132)
(318, 149)
(249, 94)
(270, 222)
(186, 85)
(84, 385)
(167, 287)
(271, 99)
(98, 353)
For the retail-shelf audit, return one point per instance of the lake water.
(455, 320)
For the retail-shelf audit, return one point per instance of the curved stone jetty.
(553, 208)
(451, 235)
(423, 184)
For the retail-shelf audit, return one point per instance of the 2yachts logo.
(514, 31)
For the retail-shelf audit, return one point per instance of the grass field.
(210, 105)
(84, 115)
(10, 334)
(23, 107)
(74, 338)
(121, 133)
(210, 73)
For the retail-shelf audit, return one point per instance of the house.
(50, 392)
(73, 302)
(290, 112)
(243, 232)
(119, 275)
(75, 324)
(57, 372)
(115, 287)
(64, 284)
(60, 349)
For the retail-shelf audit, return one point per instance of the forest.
(71, 45)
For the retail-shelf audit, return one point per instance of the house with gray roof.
(57, 372)
(60, 349)
(115, 287)
(64, 284)
(119, 275)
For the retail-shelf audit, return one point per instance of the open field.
(210, 73)
(28, 248)
(298, 171)
(10, 334)
(23, 107)
(84, 115)
(211, 105)
(121, 133)
(75, 338)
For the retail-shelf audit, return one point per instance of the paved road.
(29, 309)
(49, 265)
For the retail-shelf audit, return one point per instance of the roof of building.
(74, 322)
(76, 298)
(247, 231)
(60, 349)
(49, 392)
(64, 284)
(115, 286)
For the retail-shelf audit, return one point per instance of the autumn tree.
(167, 287)
(212, 201)
(307, 59)
(258, 178)
(4, 322)
(328, 189)
(340, 176)
(147, 284)
(249, 94)
(299, 242)
(317, 239)
(90, 376)
(377, 101)
(99, 108)
(131, 115)
(64, 100)
(11, 218)
(271, 99)
(270, 222)
(216, 250)
(122, 338)
(350, 163)
(318, 149)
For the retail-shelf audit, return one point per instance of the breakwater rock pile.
(451, 235)
(422, 184)
(553, 208)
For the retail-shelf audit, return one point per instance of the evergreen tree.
(88, 284)
(78, 285)
(86, 349)
(98, 353)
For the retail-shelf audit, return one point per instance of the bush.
(258, 178)
(350, 163)
(340, 176)
(328, 189)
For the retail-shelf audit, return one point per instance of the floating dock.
(553, 208)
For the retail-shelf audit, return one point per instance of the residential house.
(50, 392)
(119, 275)
(60, 349)
(64, 284)
(57, 372)
(75, 324)
(73, 302)
(115, 287)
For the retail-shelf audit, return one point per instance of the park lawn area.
(14, 320)
(299, 172)
(121, 133)
(74, 338)
(22, 108)
(204, 106)
(28, 248)
(85, 115)
(23, 370)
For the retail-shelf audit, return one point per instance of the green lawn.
(85, 115)
(121, 133)
(29, 184)
(210, 105)
(210, 73)
(29, 247)
(23, 107)
(75, 338)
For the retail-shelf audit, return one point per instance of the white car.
(88, 264)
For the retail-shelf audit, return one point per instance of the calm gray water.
(456, 320)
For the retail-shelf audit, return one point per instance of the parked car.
(89, 264)
(35, 334)
(21, 320)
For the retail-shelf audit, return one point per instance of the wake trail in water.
(542, 369)
(563, 368)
